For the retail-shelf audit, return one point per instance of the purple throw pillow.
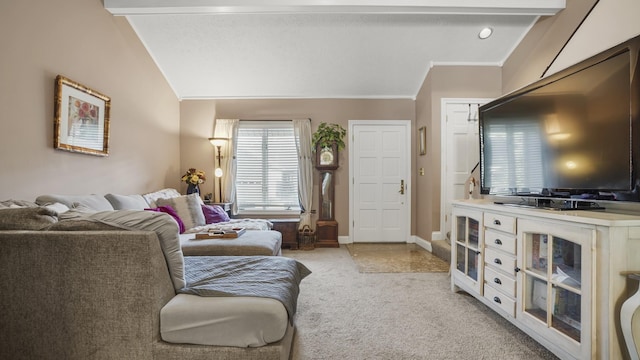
(214, 214)
(169, 210)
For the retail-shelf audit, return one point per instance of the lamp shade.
(217, 141)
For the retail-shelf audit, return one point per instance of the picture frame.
(422, 140)
(81, 119)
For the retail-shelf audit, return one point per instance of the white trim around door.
(448, 105)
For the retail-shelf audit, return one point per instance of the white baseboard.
(344, 240)
(437, 235)
(423, 243)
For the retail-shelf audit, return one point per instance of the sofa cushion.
(169, 210)
(127, 202)
(162, 224)
(160, 194)
(188, 207)
(223, 321)
(95, 202)
(26, 218)
(214, 214)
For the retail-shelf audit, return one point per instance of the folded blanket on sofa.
(258, 276)
(249, 224)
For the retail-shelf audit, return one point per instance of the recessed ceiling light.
(485, 33)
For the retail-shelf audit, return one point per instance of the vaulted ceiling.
(321, 49)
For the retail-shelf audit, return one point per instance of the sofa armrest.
(81, 294)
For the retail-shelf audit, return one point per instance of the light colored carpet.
(344, 314)
(395, 258)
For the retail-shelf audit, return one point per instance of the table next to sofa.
(289, 230)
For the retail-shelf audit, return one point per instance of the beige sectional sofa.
(94, 295)
(259, 239)
(101, 286)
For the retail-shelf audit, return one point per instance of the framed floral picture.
(81, 121)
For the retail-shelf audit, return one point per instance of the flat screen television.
(573, 134)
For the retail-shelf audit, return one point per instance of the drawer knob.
(497, 241)
(497, 261)
(496, 222)
(497, 281)
(517, 269)
(497, 299)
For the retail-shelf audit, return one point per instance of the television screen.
(569, 135)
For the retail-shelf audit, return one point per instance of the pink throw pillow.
(169, 210)
(214, 214)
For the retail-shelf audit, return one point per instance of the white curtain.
(302, 134)
(228, 128)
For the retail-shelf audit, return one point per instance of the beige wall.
(197, 126)
(79, 39)
(444, 82)
(611, 22)
(538, 49)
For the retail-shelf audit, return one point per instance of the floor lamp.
(217, 142)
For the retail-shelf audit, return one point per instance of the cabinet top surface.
(599, 217)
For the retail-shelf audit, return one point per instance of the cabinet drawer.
(500, 260)
(500, 222)
(500, 300)
(499, 240)
(500, 281)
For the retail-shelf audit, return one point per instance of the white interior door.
(460, 152)
(379, 157)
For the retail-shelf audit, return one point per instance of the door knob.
(401, 187)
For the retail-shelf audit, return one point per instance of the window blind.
(513, 144)
(267, 167)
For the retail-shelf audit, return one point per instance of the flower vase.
(193, 188)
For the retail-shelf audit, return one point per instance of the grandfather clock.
(327, 226)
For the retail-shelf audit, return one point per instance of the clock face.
(326, 156)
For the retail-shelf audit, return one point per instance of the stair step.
(441, 249)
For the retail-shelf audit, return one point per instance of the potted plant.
(327, 140)
(328, 134)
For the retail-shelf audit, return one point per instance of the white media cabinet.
(560, 276)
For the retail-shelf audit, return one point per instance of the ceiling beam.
(487, 7)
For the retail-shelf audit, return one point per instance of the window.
(267, 167)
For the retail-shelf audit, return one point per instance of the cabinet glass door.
(556, 280)
(467, 241)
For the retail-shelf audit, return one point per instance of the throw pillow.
(214, 214)
(188, 209)
(95, 202)
(127, 202)
(58, 208)
(16, 204)
(160, 194)
(26, 218)
(169, 210)
(77, 210)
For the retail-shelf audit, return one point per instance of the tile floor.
(386, 257)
